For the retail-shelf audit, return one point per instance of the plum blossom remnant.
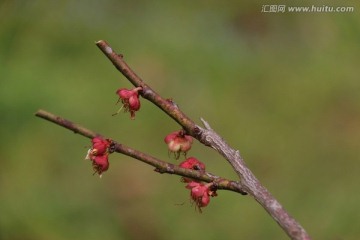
(200, 193)
(130, 100)
(99, 146)
(194, 164)
(100, 163)
(178, 142)
(99, 154)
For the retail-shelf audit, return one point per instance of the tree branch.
(210, 138)
(160, 166)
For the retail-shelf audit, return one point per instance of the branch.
(160, 166)
(210, 138)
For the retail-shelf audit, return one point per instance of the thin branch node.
(146, 91)
(158, 170)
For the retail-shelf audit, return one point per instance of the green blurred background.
(282, 88)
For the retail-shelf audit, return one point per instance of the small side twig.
(160, 166)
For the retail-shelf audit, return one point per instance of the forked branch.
(210, 138)
(248, 183)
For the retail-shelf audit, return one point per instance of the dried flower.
(130, 100)
(100, 163)
(99, 153)
(178, 142)
(194, 164)
(99, 146)
(200, 193)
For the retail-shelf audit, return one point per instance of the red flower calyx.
(100, 163)
(98, 154)
(200, 194)
(194, 164)
(99, 146)
(130, 100)
(178, 142)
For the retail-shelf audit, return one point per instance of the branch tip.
(99, 42)
(206, 124)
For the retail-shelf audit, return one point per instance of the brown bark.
(248, 183)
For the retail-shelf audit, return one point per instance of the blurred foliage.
(282, 88)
